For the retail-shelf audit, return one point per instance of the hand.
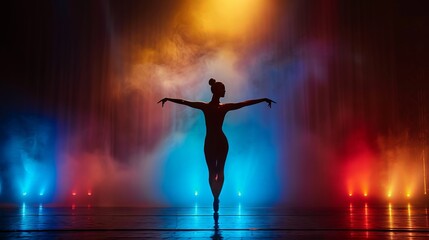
(269, 101)
(162, 101)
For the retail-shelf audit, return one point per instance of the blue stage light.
(29, 154)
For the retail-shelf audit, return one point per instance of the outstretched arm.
(198, 105)
(235, 106)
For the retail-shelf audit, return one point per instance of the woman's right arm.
(198, 105)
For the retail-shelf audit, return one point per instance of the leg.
(214, 177)
(219, 174)
(216, 164)
(218, 183)
(215, 153)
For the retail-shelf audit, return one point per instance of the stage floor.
(357, 221)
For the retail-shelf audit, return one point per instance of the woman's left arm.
(235, 106)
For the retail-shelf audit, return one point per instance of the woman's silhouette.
(216, 144)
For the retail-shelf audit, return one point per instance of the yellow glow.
(228, 18)
(390, 209)
(424, 172)
(365, 194)
(410, 222)
(390, 216)
(211, 27)
(409, 209)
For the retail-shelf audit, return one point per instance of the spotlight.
(239, 194)
(24, 194)
(41, 194)
(365, 194)
(89, 193)
(408, 195)
(74, 193)
(196, 193)
(350, 194)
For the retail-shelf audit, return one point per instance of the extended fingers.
(269, 101)
(162, 101)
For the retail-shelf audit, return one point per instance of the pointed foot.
(216, 220)
(216, 205)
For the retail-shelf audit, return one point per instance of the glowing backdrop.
(80, 123)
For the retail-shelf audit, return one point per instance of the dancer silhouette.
(216, 144)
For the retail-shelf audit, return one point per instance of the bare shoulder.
(227, 106)
(201, 105)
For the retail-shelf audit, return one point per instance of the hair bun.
(212, 81)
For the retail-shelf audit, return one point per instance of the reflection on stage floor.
(356, 221)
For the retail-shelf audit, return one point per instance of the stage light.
(40, 194)
(408, 195)
(239, 194)
(389, 195)
(365, 194)
(74, 193)
(89, 193)
(350, 194)
(196, 193)
(24, 194)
